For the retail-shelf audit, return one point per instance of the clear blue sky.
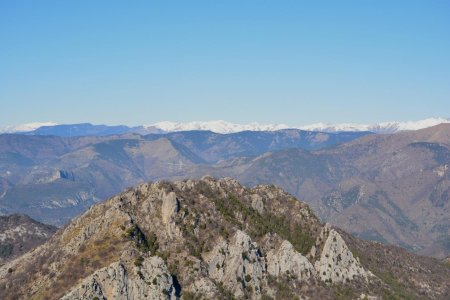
(293, 62)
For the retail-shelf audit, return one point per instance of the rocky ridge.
(198, 238)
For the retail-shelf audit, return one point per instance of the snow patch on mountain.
(385, 127)
(219, 126)
(25, 127)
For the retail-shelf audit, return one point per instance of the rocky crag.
(213, 239)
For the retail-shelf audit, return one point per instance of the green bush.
(143, 243)
(141, 276)
(138, 262)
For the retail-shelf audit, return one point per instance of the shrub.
(141, 276)
(224, 292)
(138, 262)
(146, 244)
(189, 296)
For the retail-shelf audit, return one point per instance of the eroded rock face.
(151, 281)
(204, 286)
(257, 203)
(169, 208)
(286, 261)
(238, 264)
(337, 263)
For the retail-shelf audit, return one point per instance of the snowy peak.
(25, 127)
(219, 126)
(385, 127)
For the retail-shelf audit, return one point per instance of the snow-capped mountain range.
(384, 127)
(215, 126)
(218, 127)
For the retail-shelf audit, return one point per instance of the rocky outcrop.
(237, 264)
(169, 208)
(151, 281)
(286, 261)
(337, 263)
(204, 286)
(257, 203)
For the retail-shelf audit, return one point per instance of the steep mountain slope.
(19, 234)
(213, 147)
(208, 238)
(18, 152)
(391, 188)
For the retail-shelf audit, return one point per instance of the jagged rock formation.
(286, 261)
(207, 238)
(238, 265)
(153, 282)
(337, 263)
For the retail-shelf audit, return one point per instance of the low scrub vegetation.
(259, 225)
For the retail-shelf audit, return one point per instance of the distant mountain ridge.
(54, 178)
(218, 126)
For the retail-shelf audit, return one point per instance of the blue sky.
(293, 62)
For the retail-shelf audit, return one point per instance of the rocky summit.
(215, 239)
